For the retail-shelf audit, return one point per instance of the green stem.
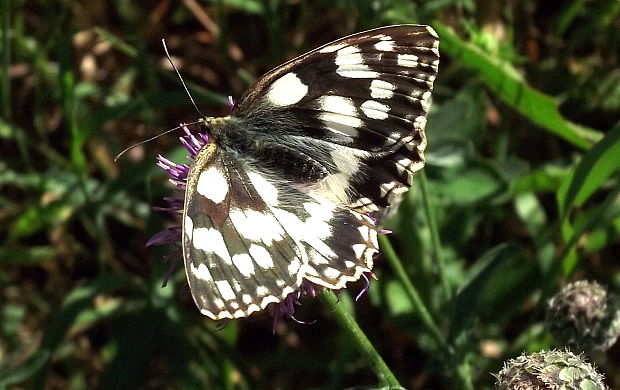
(435, 242)
(347, 322)
(601, 213)
(416, 300)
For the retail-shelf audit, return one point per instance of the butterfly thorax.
(269, 138)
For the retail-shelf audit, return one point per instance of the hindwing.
(250, 240)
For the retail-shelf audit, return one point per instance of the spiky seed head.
(549, 370)
(583, 316)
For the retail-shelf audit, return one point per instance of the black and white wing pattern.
(285, 189)
(362, 101)
(250, 239)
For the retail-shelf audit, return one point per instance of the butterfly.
(287, 189)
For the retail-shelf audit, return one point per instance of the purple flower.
(174, 205)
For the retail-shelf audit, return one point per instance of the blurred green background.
(520, 193)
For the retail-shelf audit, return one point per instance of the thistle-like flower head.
(549, 370)
(584, 317)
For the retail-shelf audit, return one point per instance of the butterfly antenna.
(154, 137)
(163, 41)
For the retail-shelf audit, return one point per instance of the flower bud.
(584, 317)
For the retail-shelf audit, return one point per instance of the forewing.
(357, 106)
(250, 240)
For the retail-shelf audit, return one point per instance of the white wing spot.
(345, 51)
(287, 90)
(202, 272)
(265, 189)
(294, 226)
(225, 290)
(341, 124)
(386, 188)
(336, 185)
(188, 227)
(339, 115)
(419, 123)
(318, 259)
(218, 303)
(426, 100)
(380, 89)
(208, 314)
(212, 184)
(293, 267)
(357, 72)
(331, 273)
(322, 211)
(269, 299)
(332, 48)
(351, 64)
(364, 231)
(359, 203)
(385, 45)
(243, 262)
(432, 32)
(375, 110)
(261, 291)
(211, 240)
(403, 164)
(408, 60)
(317, 226)
(256, 226)
(246, 298)
(374, 238)
(337, 104)
(261, 256)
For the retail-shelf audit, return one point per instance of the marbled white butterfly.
(288, 188)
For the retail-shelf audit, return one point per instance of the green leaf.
(117, 42)
(249, 6)
(467, 300)
(502, 78)
(396, 298)
(593, 169)
(467, 185)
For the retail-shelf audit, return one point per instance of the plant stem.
(416, 300)
(435, 242)
(348, 323)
